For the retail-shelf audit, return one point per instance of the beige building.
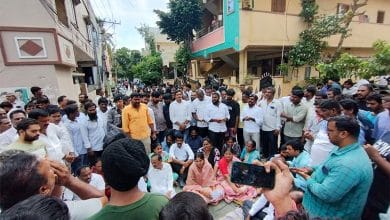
(242, 40)
(54, 44)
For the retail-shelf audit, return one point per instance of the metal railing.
(204, 31)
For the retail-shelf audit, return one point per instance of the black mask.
(92, 116)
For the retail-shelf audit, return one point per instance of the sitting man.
(301, 159)
(182, 157)
(85, 174)
(160, 176)
(21, 170)
(124, 162)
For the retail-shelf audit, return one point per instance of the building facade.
(244, 40)
(54, 44)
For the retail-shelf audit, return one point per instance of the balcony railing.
(214, 26)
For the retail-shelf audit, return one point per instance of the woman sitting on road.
(233, 192)
(201, 180)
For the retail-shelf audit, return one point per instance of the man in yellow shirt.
(137, 122)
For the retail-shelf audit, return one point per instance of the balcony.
(209, 39)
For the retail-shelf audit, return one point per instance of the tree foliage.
(348, 65)
(146, 33)
(124, 59)
(309, 10)
(149, 69)
(182, 58)
(183, 17)
(311, 44)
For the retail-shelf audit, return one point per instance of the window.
(380, 17)
(61, 12)
(278, 6)
(342, 8)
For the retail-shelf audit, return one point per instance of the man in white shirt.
(16, 104)
(85, 174)
(180, 115)
(321, 144)
(102, 111)
(252, 116)
(73, 126)
(271, 126)
(182, 157)
(48, 134)
(217, 115)
(9, 136)
(93, 133)
(199, 112)
(160, 176)
(62, 133)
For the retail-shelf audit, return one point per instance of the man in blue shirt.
(301, 159)
(338, 188)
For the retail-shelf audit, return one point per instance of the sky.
(130, 14)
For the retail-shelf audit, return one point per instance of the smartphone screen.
(252, 175)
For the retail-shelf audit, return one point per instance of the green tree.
(348, 65)
(124, 59)
(149, 69)
(380, 64)
(182, 58)
(146, 33)
(183, 17)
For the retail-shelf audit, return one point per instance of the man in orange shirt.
(137, 122)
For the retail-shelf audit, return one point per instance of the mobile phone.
(252, 175)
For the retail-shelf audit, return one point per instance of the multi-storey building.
(54, 44)
(245, 39)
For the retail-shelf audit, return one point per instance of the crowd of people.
(166, 153)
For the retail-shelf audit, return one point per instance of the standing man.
(93, 132)
(27, 139)
(180, 114)
(83, 98)
(271, 126)
(157, 108)
(322, 146)
(361, 95)
(137, 122)
(338, 188)
(11, 135)
(294, 113)
(16, 104)
(114, 117)
(102, 111)
(199, 112)
(74, 128)
(234, 112)
(167, 97)
(62, 102)
(240, 132)
(252, 116)
(37, 93)
(217, 116)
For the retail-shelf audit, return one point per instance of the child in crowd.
(250, 154)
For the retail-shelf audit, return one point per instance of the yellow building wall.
(261, 27)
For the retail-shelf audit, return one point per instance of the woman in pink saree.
(201, 180)
(233, 192)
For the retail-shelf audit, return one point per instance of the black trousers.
(217, 138)
(269, 143)
(203, 132)
(176, 168)
(240, 137)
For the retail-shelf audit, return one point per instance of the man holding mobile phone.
(339, 187)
